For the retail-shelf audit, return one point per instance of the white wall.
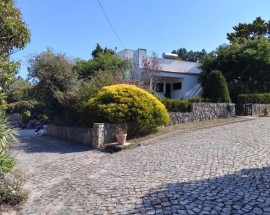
(190, 85)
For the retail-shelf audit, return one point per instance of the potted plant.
(121, 134)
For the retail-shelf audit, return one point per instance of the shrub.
(198, 99)
(262, 98)
(126, 104)
(177, 105)
(216, 88)
(11, 192)
(6, 162)
(27, 109)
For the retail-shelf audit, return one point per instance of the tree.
(104, 60)
(216, 88)
(90, 87)
(55, 82)
(192, 56)
(14, 35)
(245, 66)
(19, 90)
(100, 51)
(151, 67)
(257, 29)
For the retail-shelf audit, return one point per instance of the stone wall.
(96, 137)
(258, 108)
(81, 135)
(103, 133)
(200, 112)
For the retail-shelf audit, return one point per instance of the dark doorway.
(168, 91)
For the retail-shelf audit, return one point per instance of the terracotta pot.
(121, 138)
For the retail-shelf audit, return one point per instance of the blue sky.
(75, 27)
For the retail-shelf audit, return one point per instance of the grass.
(184, 127)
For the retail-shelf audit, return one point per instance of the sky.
(75, 27)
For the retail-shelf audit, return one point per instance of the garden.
(67, 91)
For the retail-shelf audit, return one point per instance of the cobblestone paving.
(219, 170)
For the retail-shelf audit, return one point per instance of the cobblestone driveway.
(219, 170)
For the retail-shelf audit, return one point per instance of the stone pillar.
(98, 135)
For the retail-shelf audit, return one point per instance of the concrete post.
(98, 135)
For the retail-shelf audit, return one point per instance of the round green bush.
(126, 104)
(216, 88)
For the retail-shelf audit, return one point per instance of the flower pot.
(121, 138)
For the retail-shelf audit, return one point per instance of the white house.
(176, 79)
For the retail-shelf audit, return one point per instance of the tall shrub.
(126, 104)
(216, 88)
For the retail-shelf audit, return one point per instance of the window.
(159, 87)
(177, 86)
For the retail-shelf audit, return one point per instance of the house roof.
(176, 66)
(167, 65)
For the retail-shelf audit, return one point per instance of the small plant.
(11, 192)
(121, 128)
(265, 112)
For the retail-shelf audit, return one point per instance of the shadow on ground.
(245, 192)
(48, 144)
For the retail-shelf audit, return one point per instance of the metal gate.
(243, 109)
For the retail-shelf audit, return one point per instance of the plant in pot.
(121, 134)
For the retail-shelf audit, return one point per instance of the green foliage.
(7, 163)
(27, 109)
(19, 99)
(216, 88)
(90, 88)
(245, 66)
(177, 105)
(192, 56)
(7, 133)
(55, 81)
(105, 62)
(127, 104)
(11, 194)
(263, 98)
(198, 99)
(98, 51)
(8, 70)
(19, 90)
(14, 33)
(257, 29)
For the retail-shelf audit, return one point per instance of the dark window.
(159, 87)
(177, 86)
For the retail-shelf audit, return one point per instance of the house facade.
(175, 79)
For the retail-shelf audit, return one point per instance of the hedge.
(177, 105)
(262, 98)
